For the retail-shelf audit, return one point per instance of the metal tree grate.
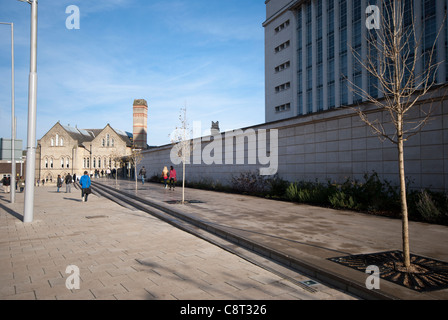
(426, 275)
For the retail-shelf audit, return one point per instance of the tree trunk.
(404, 205)
(183, 181)
(135, 174)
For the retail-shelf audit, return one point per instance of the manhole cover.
(426, 274)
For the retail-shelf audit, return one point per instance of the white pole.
(13, 123)
(31, 139)
(13, 133)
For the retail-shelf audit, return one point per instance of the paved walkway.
(128, 254)
(306, 233)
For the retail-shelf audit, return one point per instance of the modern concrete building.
(309, 64)
(309, 46)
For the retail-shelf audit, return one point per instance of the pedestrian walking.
(6, 184)
(165, 176)
(59, 182)
(142, 173)
(173, 178)
(68, 183)
(21, 183)
(85, 186)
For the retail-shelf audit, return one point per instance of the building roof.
(87, 135)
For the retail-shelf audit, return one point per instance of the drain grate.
(427, 274)
(180, 201)
(310, 282)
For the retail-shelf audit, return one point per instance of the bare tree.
(405, 72)
(134, 159)
(180, 138)
(118, 160)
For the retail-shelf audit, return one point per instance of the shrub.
(277, 186)
(372, 194)
(309, 192)
(250, 183)
(432, 206)
(340, 200)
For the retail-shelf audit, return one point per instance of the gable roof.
(88, 135)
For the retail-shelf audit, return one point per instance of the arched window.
(52, 142)
(107, 139)
(46, 163)
(84, 164)
(62, 142)
(113, 142)
(57, 139)
(103, 142)
(62, 162)
(67, 163)
(51, 163)
(94, 162)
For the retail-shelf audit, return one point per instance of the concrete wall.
(335, 145)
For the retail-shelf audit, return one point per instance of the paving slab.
(303, 233)
(122, 254)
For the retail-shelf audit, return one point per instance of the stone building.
(65, 149)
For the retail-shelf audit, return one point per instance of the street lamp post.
(13, 129)
(31, 137)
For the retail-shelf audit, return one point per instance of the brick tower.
(140, 123)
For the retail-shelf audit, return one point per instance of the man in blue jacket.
(85, 186)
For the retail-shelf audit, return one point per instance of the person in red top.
(173, 178)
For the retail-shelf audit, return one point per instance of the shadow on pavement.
(12, 212)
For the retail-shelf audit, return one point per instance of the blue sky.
(205, 54)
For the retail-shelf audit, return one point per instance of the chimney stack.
(140, 128)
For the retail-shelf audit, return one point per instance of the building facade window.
(283, 66)
(282, 87)
(282, 26)
(282, 47)
(283, 107)
(430, 31)
(331, 55)
(356, 45)
(332, 43)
